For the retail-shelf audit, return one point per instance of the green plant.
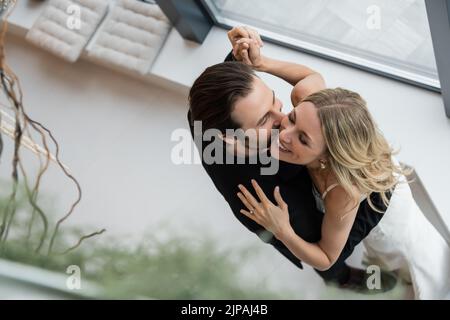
(21, 128)
(177, 268)
(181, 267)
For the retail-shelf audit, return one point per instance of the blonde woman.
(332, 133)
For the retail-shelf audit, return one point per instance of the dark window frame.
(438, 12)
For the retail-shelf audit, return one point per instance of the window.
(388, 37)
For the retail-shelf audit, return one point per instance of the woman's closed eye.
(302, 139)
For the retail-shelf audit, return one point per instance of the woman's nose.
(284, 130)
(285, 136)
(284, 122)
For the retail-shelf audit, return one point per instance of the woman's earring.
(322, 165)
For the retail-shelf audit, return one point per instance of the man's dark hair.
(215, 92)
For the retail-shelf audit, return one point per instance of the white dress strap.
(329, 189)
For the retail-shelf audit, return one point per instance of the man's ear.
(233, 141)
(228, 140)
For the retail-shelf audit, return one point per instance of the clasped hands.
(246, 43)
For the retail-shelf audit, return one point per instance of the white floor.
(114, 133)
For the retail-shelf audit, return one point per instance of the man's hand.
(238, 33)
(250, 53)
(246, 44)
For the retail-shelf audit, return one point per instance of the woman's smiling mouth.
(282, 147)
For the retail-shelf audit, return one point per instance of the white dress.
(405, 241)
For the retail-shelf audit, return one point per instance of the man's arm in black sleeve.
(230, 57)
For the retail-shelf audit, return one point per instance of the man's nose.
(278, 116)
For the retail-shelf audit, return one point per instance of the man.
(229, 95)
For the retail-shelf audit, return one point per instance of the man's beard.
(258, 147)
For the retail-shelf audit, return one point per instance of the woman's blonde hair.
(358, 153)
